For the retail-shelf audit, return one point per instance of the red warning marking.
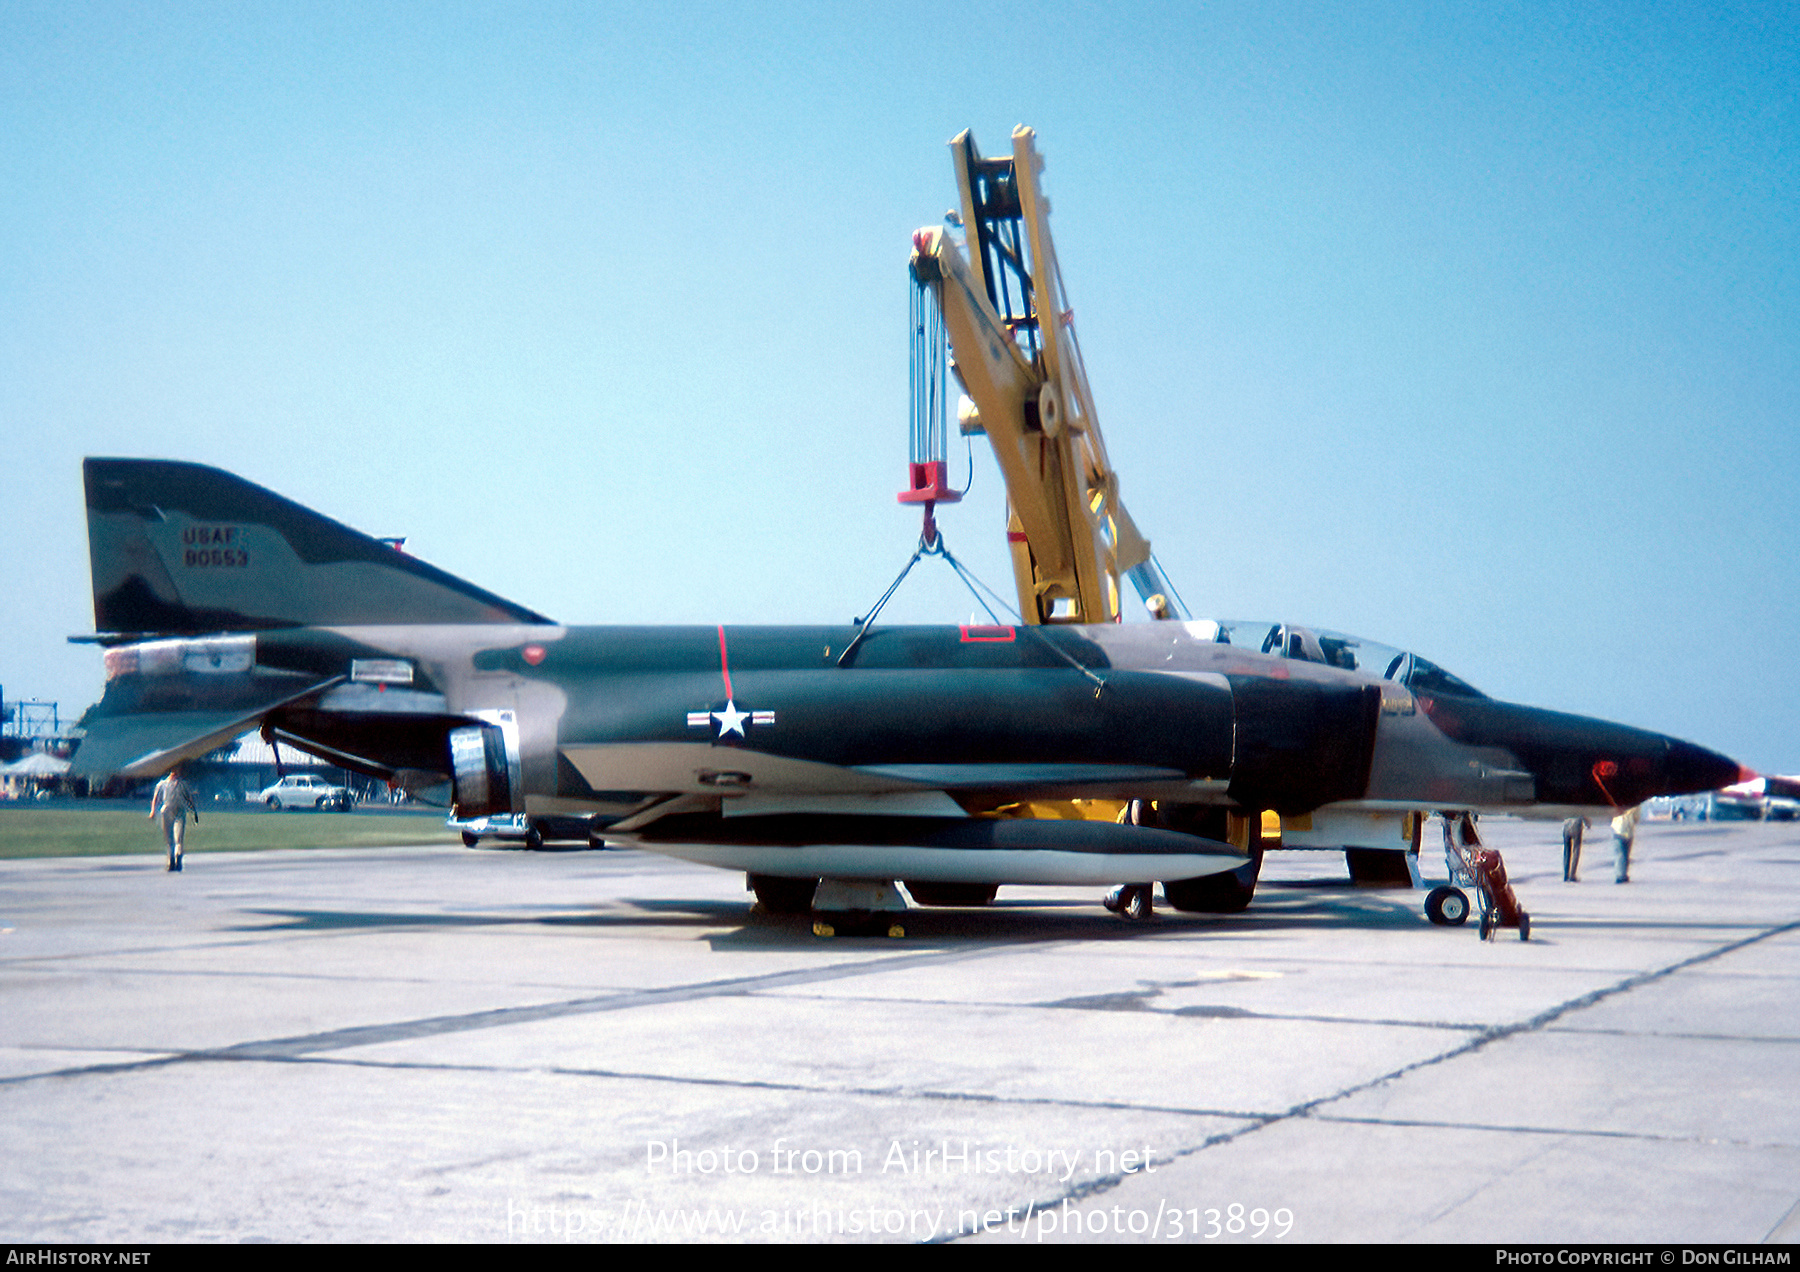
(986, 633)
(725, 665)
(1604, 769)
(533, 654)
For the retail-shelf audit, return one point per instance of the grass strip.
(110, 830)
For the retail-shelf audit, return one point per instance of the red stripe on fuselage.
(725, 665)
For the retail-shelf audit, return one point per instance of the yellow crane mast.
(1012, 337)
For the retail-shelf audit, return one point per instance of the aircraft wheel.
(952, 893)
(1228, 893)
(470, 839)
(534, 838)
(777, 894)
(1447, 907)
(1130, 901)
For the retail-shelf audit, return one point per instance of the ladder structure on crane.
(1005, 314)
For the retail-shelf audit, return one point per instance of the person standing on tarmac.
(1624, 828)
(1572, 830)
(171, 804)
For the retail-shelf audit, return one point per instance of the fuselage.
(1052, 753)
(608, 718)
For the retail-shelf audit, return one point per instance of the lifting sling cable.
(976, 587)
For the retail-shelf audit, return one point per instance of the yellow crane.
(1004, 311)
(1012, 336)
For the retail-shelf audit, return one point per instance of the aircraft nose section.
(1626, 774)
(1629, 774)
(1690, 770)
(1575, 760)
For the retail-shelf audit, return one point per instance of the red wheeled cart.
(1480, 868)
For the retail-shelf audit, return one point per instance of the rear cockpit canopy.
(1351, 653)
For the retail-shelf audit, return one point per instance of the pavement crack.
(304, 1045)
(1560, 1132)
(1497, 1033)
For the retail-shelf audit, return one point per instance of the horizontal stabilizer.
(150, 743)
(183, 549)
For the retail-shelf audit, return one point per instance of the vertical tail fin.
(183, 549)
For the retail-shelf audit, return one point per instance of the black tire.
(1524, 926)
(1447, 906)
(1228, 893)
(778, 894)
(534, 838)
(320, 804)
(470, 839)
(1488, 923)
(926, 893)
(274, 804)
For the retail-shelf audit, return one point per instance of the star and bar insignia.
(729, 718)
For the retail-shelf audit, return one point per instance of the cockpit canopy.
(1335, 649)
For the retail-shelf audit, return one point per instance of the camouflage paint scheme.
(796, 751)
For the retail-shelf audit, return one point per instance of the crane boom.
(1017, 358)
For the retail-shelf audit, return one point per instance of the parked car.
(303, 790)
(531, 832)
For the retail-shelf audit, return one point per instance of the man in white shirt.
(1624, 828)
(171, 804)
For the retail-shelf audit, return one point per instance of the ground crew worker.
(1624, 828)
(171, 804)
(1572, 829)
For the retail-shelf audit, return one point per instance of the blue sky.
(1471, 329)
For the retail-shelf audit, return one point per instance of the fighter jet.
(828, 763)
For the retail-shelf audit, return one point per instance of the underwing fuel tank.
(942, 849)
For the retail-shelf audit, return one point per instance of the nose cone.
(1628, 766)
(1574, 760)
(1690, 769)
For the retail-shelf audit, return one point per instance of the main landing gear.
(1229, 892)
